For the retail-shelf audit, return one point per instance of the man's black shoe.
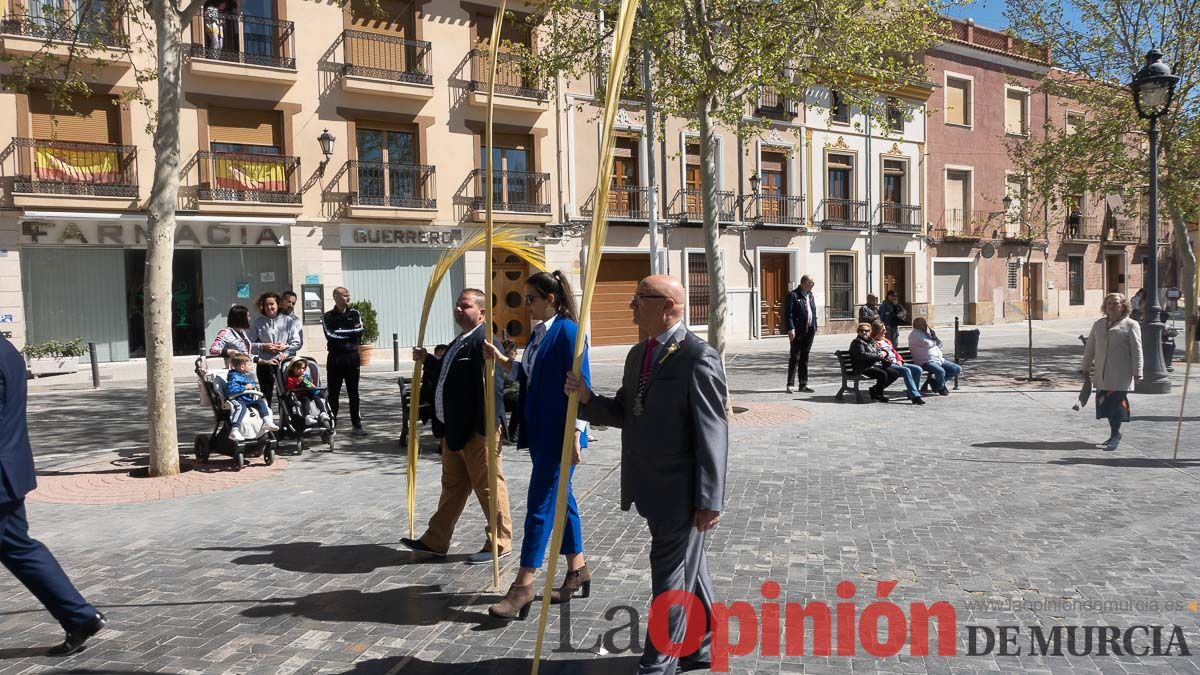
(358, 431)
(689, 665)
(416, 545)
(76, 638)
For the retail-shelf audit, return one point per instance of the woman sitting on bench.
(896, 365)
(868, 362)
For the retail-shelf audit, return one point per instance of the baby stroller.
(257, 439)
(306, 418)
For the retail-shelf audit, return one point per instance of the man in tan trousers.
(459, 420)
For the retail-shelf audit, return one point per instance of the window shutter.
(1014, 113)
(97, 120)
(956, 103)
(247, 127)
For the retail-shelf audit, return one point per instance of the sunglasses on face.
(529, 299)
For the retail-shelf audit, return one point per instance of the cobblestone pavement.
(994, 500)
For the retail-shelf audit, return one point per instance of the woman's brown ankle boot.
(574, 581)
(515, 604)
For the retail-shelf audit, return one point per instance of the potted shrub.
(370, 330)
(54, 357)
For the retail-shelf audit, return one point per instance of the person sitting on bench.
(926, 351)
(868, 362)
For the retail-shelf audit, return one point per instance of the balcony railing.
(101, 31)
(386, 57)
(232, 177)
(240, 38)
(1081, 228)
(625, 202)
(774, 209)
(512, 75)
(842, 214)
(895, 217)
(771, 103)
(688, 205)
(86, 169)
(513, 191)
(398, 186)
(962, 225)
(631, 88)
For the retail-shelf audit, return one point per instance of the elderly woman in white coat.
(1113, 359)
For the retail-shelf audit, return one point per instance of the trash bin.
(966, 344)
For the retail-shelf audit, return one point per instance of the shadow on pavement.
(1036, 445)
(1165, 418)
(415, 666)
(316, 558)
(407, 606)
(1129, 462)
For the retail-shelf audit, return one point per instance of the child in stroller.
(242, 391)
(249, 437)
(306, 410)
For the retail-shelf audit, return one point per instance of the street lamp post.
(1153, 88)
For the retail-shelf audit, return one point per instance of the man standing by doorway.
(801, 312)
(343, 333)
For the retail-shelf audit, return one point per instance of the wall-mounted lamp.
(326, 140)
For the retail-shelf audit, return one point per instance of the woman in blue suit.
(541, 371)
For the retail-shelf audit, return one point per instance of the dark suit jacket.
(16, 455)
(800, 314)
(544, 412)
(464, 402)
(673, 455)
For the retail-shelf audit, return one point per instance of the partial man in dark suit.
(674, 443)
(28, 559)
(459, 420)
(801, 313)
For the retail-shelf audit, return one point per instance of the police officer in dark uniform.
(343, 333)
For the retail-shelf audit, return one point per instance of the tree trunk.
(1187, 269)
(718, 304)
(160, 246)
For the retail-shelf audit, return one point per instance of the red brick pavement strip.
(756, 414)
(114, 481)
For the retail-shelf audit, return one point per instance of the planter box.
(53, 365)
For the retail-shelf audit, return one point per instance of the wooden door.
(1114, 279)
(622, 195)
(510, 318)
(895, 278)
(1033, 289)
(612, 319)
(773, 292)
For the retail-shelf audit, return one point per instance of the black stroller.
(263, 444)
(307, 416)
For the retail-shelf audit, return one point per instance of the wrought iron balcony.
(240, 38)
(842, 214)
(96, 31)
(1081, 229)
(774, 209)
(397, 186)
(894, 217)
(625, 202)
(513, 76)
(85, 169)
(688, 205)
(632, 88)
(771, 104)
(386, 57)
(513, 191)
(962, 225)
(233, 177)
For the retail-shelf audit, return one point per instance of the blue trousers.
(912, 378)
(34, 566)
(941, 371)
(539, 513)
(241, 405)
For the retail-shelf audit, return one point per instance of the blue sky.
(987, 13)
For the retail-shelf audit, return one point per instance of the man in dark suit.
(28, 559)
(801, 312)
(459, 420)
(674, 442)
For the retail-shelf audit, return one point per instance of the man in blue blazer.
(28, 559)
(800, 312)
